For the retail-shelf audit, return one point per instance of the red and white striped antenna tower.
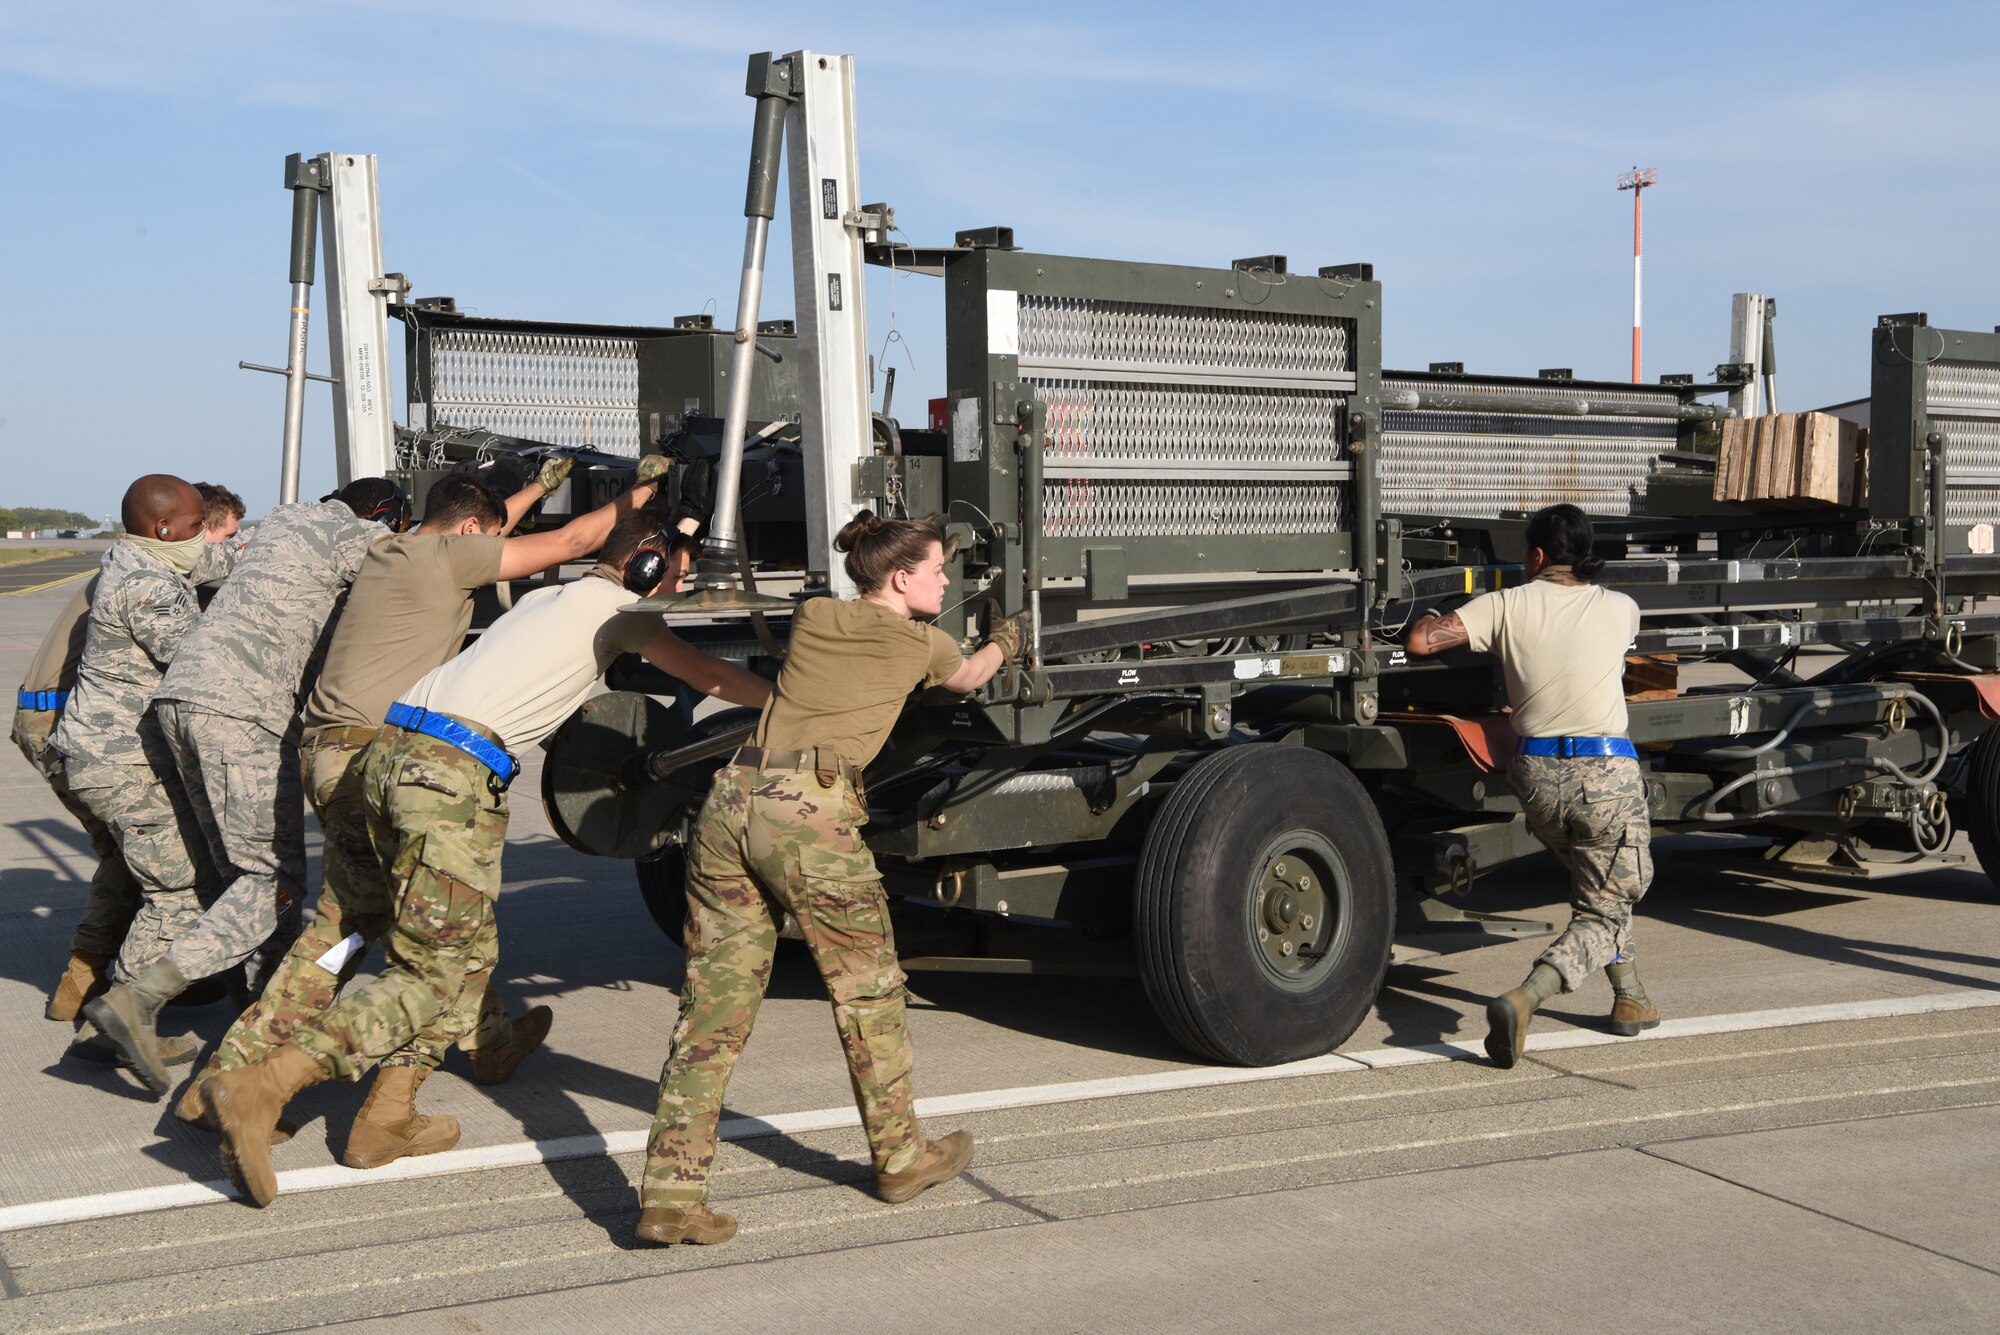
(1636, 181)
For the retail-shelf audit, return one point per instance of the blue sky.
(584, 160)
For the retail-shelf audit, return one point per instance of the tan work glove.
(1010, 635)
(555, 468)
(653, 470)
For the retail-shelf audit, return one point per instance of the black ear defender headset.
(377, 500)
(647, 567)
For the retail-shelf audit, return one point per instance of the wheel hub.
(1292, 916)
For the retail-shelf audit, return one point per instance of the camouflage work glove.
(653, 470)
(555, 468)
(1009, 635)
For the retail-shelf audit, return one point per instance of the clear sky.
(584, 160)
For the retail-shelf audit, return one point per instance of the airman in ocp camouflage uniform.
(114, 896)
(114, 755)
(228, 708)
(780, 833)
(406, 614)
(434, 782)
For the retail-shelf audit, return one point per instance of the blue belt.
(42, 700)
(448, 729)
(1567, 748)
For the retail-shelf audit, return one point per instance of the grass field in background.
(14, 556)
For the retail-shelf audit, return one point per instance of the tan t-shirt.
(530, 669)
(53, 667)
(849, 666)
(406, 613)
(1562, 648)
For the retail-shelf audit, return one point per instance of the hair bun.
(866, 524)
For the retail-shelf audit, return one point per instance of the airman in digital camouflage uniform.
(406, 615)
(228, 707)
(114, 754)
(114, 896)
(434, 782)
(781, 833)
(1561, 641)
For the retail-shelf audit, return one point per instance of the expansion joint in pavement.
(1828, 1215)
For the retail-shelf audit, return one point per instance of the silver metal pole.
(770, 82)
(305, 178)
(722, 531)
(295, 392)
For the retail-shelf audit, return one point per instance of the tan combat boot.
(193, 1109)
(92, 1046)
(389, 1127)
(1629, 1015)
(247, 1102)
(87, 978)
(491, 1065)
(1507, 1017)
(667, 1226)
(938, 1161)
(125, 1016)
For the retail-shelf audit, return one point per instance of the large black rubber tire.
(663, 879)
(1979, 814)
(663, 887)
(1203, 888)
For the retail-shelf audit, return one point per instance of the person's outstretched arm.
(711, 676)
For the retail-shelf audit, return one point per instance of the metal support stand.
(716, 575)
(357, 326)
(1748, 326)
(305, 179)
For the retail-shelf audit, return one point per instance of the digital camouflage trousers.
(160, 838)
(436, 827)
(113, 898)
(1591, 813)
(243, 781)
(768, 843)
(356, 900)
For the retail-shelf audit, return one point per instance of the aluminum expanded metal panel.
(572, 390)
(1481, 465)
(1963, 400)
(1171, 421)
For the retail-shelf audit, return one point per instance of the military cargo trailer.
(1221, 770)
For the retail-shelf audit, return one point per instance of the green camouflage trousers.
(437, 827)
(114, 896)
(1591, 812)
(771, 842)
(356, 899)
(160, 839)
(243, 781)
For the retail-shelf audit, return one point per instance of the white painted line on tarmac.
(524, 1153)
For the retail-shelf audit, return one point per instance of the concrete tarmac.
(1833, 1175)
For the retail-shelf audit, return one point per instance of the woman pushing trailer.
(781, 833)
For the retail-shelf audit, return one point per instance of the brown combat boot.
(87, 978)
(1507, 1017)
(247, 1102)
(193, 1109)
(667, 1226)
(389, 1127)
(1629, 1015)
(938, 1161)
(492, 1065)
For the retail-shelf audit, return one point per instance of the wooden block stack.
(1652, 676)
(1792, 461)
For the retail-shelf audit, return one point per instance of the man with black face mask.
(228, 708)
(114, 755)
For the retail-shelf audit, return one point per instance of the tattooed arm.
(1435, 634)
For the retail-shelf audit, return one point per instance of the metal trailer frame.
(1242, 790)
